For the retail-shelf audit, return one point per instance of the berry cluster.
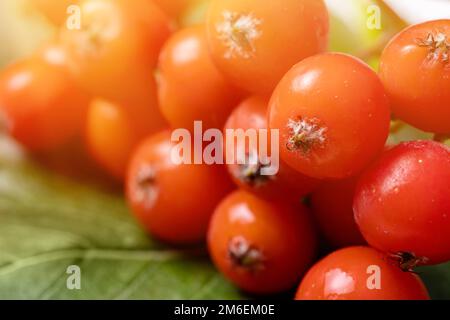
(131, 73)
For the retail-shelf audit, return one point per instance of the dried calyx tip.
(408, 261)
(438, 46)
(239, 33)
(145, 185)
(243, 254)
(250, 172)
(305, 134)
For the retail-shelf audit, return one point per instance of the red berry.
(359, 273)
(402, 204)
(255, 42)
(42, 104)
(287, 183)
(263, 247)
(415, 70)
(173, 201)
(333, 116)
(332, 206)
(190, 86)
(114, 51)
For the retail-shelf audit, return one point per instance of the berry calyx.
(438, 46)
(250, 171)
(239, 33)
(94, 34)
(244, 255)
(145, 186)
(408, 261)
(305, 134)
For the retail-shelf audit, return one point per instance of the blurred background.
(23, 26)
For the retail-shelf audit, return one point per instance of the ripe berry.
(332, 207)
(333, 116)
(255, 42)
(402, 204)
(116, 49)
(41, 102)
(173, 201)
(263, 247)
(287, 183)
(415, 70)
(190, 86)
(114, 130)
(359, 273)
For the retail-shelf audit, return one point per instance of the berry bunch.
(130, 75)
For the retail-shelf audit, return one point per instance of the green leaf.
(404, 132)
(437, 280)
(48, 223)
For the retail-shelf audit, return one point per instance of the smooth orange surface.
(343, 275)
(116, 50)
(113, 131)
(190, 86)
(41, 102)
(418, 86)
(346, 100)
(332, 207)
(283, 234)
(173, 8)
(177, 205)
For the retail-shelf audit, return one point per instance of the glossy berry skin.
(255, 42)
(345, 275)
(333, 116)
(190, 86)
(332, 207)
(113, 131)
(415, 70)
(287, 184)
(116, 50)
(174, 202)
(402, 204)
(263, 247)
(41, 102)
